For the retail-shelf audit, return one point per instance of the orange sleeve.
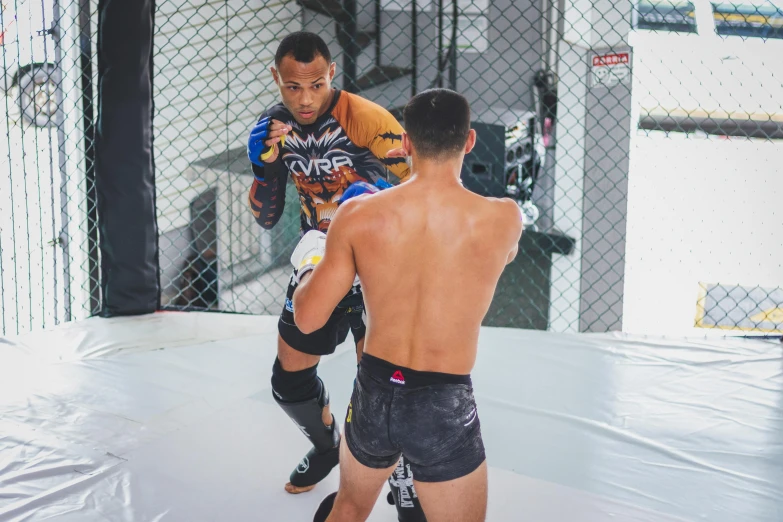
(369, 125)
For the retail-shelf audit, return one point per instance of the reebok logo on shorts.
(397, 378)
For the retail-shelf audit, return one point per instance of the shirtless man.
(429, 254)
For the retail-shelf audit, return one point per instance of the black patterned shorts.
(348, 316)
(430, 417)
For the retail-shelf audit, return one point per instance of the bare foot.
(295, 490)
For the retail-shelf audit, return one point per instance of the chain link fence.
(49, 259)
(640, 139)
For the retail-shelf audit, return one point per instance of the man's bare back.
(429, 254)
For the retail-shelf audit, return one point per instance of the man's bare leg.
(292, 360)
(463, 499)
(359, 488)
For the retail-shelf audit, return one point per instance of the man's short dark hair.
(437, 122)
(303, 46)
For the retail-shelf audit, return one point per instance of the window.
(761, 20)
(665, 15)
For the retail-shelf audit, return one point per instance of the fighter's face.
(306, 88)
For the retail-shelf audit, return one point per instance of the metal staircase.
(354, 40)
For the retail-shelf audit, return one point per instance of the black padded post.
(125, 178)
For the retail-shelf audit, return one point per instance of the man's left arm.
(323, 287)
(388, 136)
(371, 127)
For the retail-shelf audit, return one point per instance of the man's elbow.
(307, 321)
(306, 316)
(267, 222)
(306, 327)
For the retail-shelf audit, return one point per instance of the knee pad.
(296, 386)
(303, 396)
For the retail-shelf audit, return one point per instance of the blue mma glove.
(257, 151)
(362, 187)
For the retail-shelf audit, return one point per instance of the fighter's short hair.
(437, 122)
(303, 46)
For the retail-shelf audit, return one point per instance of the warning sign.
(607, 70)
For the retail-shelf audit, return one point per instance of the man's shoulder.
(503, 207)
(496, 211)
(363, 108)
(364, 210)
(506, 213)
(356, 206)
(365, 122)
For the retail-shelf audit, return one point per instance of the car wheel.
(37, 95)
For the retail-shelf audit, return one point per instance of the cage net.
(49, 257)
(640, 140)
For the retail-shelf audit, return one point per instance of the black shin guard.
(403, 495)
(307, 414)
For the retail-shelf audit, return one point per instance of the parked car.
(29, 73)
(710, 66)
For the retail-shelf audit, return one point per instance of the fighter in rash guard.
(345, 145)
(333, 145)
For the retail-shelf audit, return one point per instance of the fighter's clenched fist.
(262, 144)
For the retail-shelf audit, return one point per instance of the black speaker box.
(503, 143)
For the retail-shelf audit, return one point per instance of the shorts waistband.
(402, 376)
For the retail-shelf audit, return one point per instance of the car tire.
(37, 95)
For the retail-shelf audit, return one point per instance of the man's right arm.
(267, 194)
